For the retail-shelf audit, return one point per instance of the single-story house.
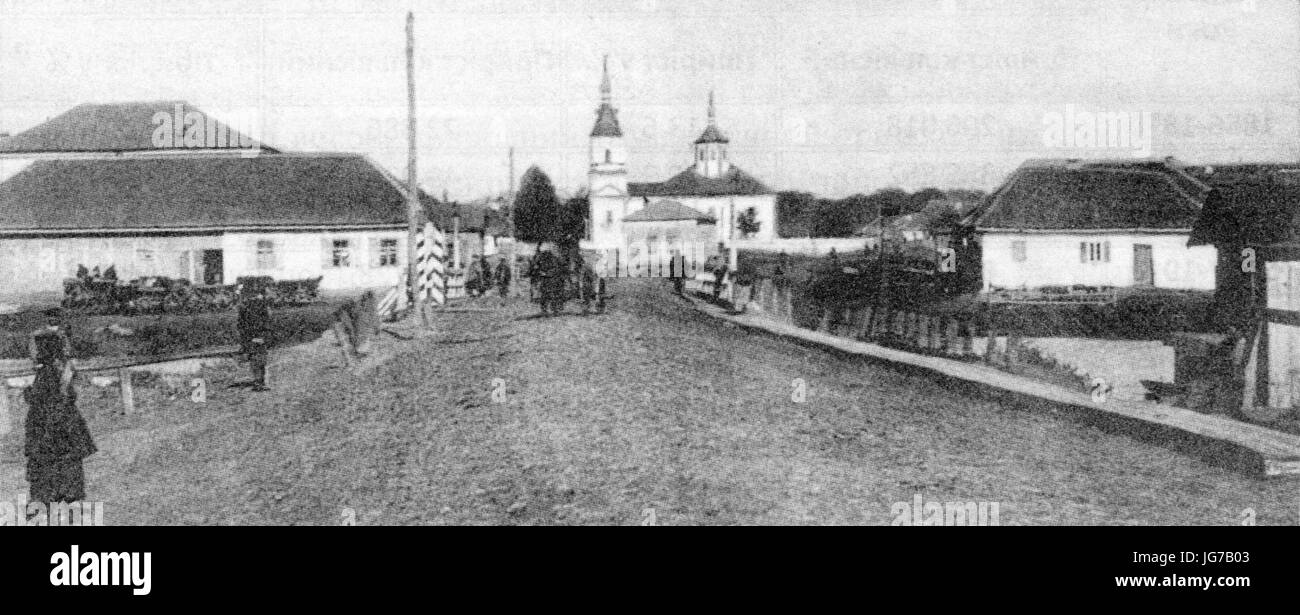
(164, 189)
(661, 230)
(205, 219)
(1116, 224)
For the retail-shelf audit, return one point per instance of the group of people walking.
(483, 277)
(555, 280)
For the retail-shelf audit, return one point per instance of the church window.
(606, 156)
(609, 218)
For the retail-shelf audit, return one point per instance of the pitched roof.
(711, 134)
(197, 191)
(606, 122)
(1096, 195)
(474, 217)
(663, 211)
(1260, 212)
(1218, 174)
(690, 183)
(118, 127)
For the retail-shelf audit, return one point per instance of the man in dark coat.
(57, 439)
(587, 283)
(503, 277)
(548, 271)
(255, 331)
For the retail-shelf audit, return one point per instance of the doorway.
(1144, 270)
(212, 268)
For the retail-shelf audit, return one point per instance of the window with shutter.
(387, 252)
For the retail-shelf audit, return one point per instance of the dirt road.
(651, 413)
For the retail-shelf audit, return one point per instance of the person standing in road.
(255, 331)
(503, 277)
(587, 281)
(57, 439)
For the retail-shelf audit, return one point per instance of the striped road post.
(432, 248)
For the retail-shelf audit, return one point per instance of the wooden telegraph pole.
(510, 228)
(413, 209)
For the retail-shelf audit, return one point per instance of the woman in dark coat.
(58, 441)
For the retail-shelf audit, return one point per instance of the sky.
(830, 97)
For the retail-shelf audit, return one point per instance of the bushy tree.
(537, 211)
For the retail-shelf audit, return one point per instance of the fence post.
(1013, 349)
(967, 342)
(862, 324)
(992, 347)
(952, 335)
(128, 390)
(6, 424)
(788, 308)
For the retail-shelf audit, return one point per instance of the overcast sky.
(831, 97)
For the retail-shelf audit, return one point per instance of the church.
(642, 225)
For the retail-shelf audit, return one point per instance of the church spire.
(605, 91)
(711, 132)
(606, 115)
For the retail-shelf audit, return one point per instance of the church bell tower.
(607, 173)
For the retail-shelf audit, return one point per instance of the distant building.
(711, 193)
(94, 191)
(1116, 224)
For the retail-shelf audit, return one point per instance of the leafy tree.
(891, 201)
(919, 199)
(794, 213)
(537, 211)
(571, 225)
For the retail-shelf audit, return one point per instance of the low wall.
(809, 246)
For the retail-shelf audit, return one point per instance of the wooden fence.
(948, 336)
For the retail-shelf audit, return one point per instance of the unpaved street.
(650, 413)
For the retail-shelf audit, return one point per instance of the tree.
(892, 201)
(571, 225)
(537, 210)
(794, 212)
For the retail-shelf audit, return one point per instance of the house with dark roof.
(1099, 224)
(206, 220)
(96, 188)
(157, 127)
(711, 191)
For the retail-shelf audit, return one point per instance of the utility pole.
(733, 256)
(510, 227)
(883, 291)
(413, 213)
